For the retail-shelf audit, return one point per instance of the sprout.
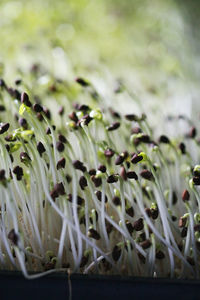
(84, 196)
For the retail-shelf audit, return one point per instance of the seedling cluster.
(91, 190)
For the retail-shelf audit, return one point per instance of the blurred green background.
(152, 45)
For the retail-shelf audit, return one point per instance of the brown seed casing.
(92, 233)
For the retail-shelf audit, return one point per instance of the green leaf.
(14, 146)
(22, 109)
(26, 134)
